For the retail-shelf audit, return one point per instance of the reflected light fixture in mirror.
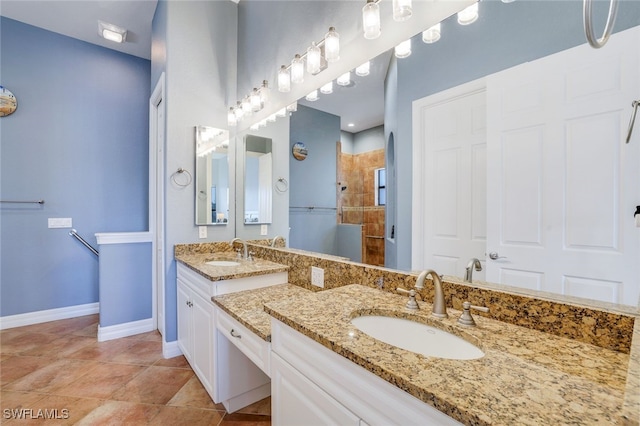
(313, 96)
(327, 88)
(256, 101)
(402, 10)
(344, 79)
(432, 34)
(364, 69)
(292, 107)
(371, 20)
(403, 49)
(313, 59)
(265, 92)
(468, 15)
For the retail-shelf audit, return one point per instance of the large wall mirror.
(502, 39)
(212, 176)
(258, 180)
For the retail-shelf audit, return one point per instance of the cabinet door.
(184, 320)
(203, 329)
(298, 401)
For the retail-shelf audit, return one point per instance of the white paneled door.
(450, 177)
(562, 185)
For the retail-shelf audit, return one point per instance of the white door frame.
(156, 199)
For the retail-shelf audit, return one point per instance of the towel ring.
(282, 185)
(587, 14)
(178, 173)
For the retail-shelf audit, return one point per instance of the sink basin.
(223, 263)
(417, 337)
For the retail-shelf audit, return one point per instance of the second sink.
(417, 337)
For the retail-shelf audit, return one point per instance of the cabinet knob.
(234, 334)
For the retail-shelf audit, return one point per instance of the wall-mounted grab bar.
(75, 235)
(634, 105)
(23, 202)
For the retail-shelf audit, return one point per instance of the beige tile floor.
(59, 370)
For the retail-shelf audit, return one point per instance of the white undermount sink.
(223, 263)
(416, 337)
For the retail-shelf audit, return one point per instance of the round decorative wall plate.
(299, 151)
(8, 102)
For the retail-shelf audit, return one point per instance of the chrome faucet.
(439, 308)
(468, 275)
(244, 246)
(276, 238)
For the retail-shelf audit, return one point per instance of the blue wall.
(503, 36)
(313, 181)
(78, 140)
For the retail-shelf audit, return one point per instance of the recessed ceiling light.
(350, 125)
(112, 32)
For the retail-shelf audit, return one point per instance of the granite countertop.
(526, 377)
(247, 307)
(198, 263)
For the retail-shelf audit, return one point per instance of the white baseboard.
(126, 329)
(29, 318)
(170, 349)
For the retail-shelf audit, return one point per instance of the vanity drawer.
(255, 348)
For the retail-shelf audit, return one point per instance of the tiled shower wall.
(356, 202)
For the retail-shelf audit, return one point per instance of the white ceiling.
(362, 103)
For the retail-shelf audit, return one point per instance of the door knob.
(494, 256)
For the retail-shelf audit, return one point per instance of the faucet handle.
(250, 256)
(466, 318)
(411, 304)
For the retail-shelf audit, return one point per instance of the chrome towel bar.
(23, 202)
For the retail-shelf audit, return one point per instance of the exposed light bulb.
(344, 79)
(363, 70)
(284, 80)
(402, 10)
(432, 34)
(313, 59)
(313, 96)
(327, 89)
(403, 49)
(371, 20)
(332, 45)
(297, 69)
(469, 15)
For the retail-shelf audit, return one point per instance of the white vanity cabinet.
(225, 372)
(312, 385)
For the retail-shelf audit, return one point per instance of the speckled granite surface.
(198, 263)
(526, 377)
(247, 307)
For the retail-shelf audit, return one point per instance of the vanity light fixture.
(231, 118)
(313, 59)
(284, 80)
(468, 15)
(403, 49)
(313, 96)
(297, 69)
(246, 107)
(344, 79)
(265, 92)
(112, 32)
(332, 45)
(371, 20)
(432, 34)
(327, 89)
(363, 70)
(256, 100)
(238, 111)
(402, 10)
(292, 107)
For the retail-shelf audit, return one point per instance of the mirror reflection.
(585, 217)
(212, 176)
(258, 180)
